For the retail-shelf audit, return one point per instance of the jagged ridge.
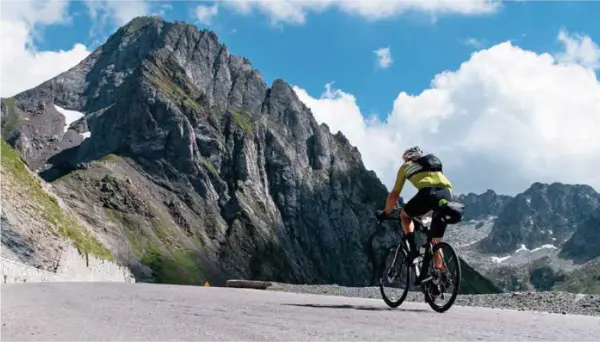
(556, 222)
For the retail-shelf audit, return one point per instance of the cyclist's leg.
(438, 228)
(416, 206)
(437, 233)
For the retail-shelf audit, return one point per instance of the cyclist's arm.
(395, 193)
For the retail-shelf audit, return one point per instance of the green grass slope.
(583, 280)
(16, 175)
(472, 282)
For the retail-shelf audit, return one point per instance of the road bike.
(434, 285)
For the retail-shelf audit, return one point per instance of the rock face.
(484, 205)
(42, 238)
(542, 239)
(193, 169)
(543, 214)
(584, 245)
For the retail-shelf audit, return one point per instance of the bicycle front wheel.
(445, 281)
(394, 270)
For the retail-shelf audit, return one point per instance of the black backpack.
(429, 162)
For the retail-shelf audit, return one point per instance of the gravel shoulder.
(550, 302)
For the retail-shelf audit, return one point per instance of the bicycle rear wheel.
(394, 267)
(435, 289)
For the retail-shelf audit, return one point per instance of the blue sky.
(500, 109)
(334, 47)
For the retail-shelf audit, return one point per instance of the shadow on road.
(356, 307)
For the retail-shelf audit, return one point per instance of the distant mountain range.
(535, 240)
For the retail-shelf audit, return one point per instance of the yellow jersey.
(425, 172)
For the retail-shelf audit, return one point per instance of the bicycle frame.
(419, 226)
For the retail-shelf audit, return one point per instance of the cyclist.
(424, 172)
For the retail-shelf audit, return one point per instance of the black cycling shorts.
(425, 200)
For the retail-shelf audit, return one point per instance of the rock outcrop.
(584, 244)
(483, 205)
(42, 238)
(543, 214)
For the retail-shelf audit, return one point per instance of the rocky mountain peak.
(558, 189)
(146, 57)
(252, 180)
(483, 205)
(543, 214)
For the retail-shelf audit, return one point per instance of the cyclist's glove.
(380, 214)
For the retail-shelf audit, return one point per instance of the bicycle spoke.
(443, 287)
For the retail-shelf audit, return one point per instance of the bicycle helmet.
(412, 153)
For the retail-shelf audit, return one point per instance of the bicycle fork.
(391, 274)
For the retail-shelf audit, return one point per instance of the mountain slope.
(543, 214)
(193, 168)
(473, 282)
(553, 230)
(40, 231)
(583, 244)
(24, 195)
(483, 205)
(586, 279)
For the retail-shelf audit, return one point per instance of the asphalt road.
(127, 312)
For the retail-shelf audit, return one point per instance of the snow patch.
(70, 116)
(471, 243)
(86, 135)
(499, 260)
(548, 246)
(522, 248)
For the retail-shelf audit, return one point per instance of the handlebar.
(395, 216)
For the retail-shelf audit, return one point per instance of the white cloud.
(205, 14)
(107, 15)
(505, 119)
(579, 49)
(384, 57)
(163, 9)
(35, 12)
(22, 65)
(119, 12)
(295, 11)
(474, 42)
